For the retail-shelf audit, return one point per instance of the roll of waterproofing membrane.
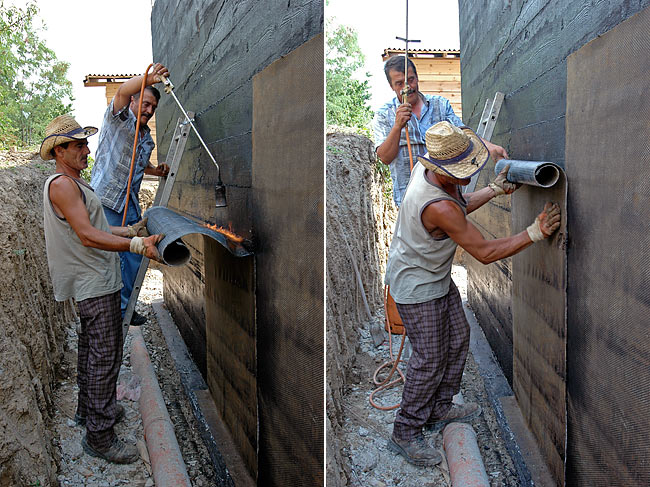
(534, 173)
(174, 226)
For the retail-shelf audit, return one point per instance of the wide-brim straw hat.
(454, 151)
(63, 129)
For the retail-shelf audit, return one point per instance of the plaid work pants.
(439, 335)
(98, 366)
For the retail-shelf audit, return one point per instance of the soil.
(39, 441)
(360, 224)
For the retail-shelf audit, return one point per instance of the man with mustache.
(420, 111)
(110, 173)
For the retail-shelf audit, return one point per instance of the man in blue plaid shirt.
(110, 172)
(390, 119)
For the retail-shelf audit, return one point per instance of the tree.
(33, 83)
(347, 97)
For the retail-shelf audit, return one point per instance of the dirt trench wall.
(360, 220)
(250, 323)
(31, 326)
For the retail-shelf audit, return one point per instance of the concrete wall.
(521, 48)
(213, 51)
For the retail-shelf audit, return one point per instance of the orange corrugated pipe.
(135, 144)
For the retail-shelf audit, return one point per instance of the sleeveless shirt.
(419, 265)
(77, 271)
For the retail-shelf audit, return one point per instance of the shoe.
(137, 319)
(118, 452)
(81, 420)
(416, 451)
(457, 413)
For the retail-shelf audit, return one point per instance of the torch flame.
(227, 232)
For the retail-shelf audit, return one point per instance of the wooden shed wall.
(437, 76)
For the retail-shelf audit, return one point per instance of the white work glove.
(501, 185)
(546, 223)
(146, 246)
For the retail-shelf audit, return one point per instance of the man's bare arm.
(447, 216)
(66, 198)
(388, 150)
(133, 86)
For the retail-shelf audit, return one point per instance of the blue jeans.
(129, 262)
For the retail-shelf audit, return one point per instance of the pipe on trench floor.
(167, 462)
(466, 467)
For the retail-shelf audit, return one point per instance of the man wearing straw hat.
(110, 174)
(83, 263)
(420, 112)
(431, 223)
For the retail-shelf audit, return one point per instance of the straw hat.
(454, 151)
(63, 129)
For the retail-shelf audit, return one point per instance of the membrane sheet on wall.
(288, 199)
(539, 304)
(608, 164)
(174, 227)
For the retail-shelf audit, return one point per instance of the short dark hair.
(396, 63)
(154, 91)
(64, 145)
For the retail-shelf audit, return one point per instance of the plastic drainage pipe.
(466, 467)
(534, 173)
(166, 460)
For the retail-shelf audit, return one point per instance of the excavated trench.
(39, 441)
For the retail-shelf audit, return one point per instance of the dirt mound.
(360, 219)
(31, 325)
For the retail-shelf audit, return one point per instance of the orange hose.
(135, 144)
(393, 363)
(408, 144)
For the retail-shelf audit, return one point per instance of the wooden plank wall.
(440, 76)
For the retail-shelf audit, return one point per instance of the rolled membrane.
(534, 173)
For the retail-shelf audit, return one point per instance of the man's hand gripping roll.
(546, 223)
(147, 246)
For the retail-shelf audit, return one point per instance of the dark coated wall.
(214, 50)
(521, 48)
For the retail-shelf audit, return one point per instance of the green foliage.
(347, 97)
(33, 83)
(85, 173)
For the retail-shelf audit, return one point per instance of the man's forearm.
(478, 198)
(388, 150)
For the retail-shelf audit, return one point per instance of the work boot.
(457, 413)
(81, 420)
(137, 319)
(118, 452)
(416, 451)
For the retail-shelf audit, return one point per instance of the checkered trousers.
(98, 365)
(439, 334)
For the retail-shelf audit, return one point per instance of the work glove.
(501, 185)
(147, 246)
(546, 223)
(138, 230)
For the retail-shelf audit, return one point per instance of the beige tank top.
(76, 271)
(419, 264)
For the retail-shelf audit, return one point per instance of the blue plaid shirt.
(110, 174)
(436, 109)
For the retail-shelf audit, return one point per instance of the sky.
(96, 37)
(378, 22)
(99, 37)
